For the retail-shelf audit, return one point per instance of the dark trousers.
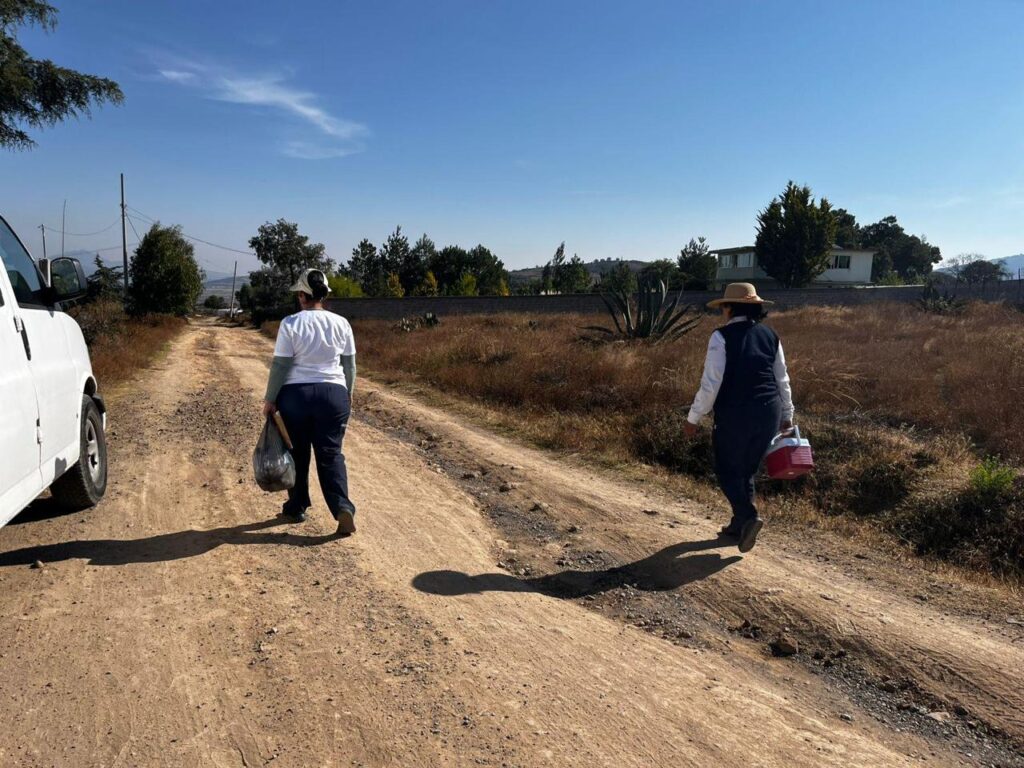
(741, 438)
(316, 416)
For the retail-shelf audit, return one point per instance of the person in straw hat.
(746, 384)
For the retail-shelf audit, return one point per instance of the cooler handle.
(795, 432)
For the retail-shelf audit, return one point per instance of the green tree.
(244, 297)
(393, 288)
(665, 270)
(795, 237)
(697, 267)
(414, 268)
(619, 279)
(395, 253)
(367, 269)
(105, 282)
(213, 301)
(909, 256)
(490, 273)
(566, 275)
(164, 275)
(448, 266)
(848, 234)
(281, 247)
(344, 287)
(466, 286)
(36, 93)
(286, 253)
(428, 287)
(975, 269)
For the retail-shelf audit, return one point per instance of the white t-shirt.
(316, 339)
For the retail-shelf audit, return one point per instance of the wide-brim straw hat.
(738, 293)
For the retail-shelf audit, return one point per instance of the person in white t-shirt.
(311, 383)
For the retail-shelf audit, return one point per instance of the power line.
(151, 220)
(83, 234)
(132, 224)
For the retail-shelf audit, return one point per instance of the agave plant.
(652, 316)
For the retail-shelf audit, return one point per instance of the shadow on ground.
(667, 569)
(43, 508)
(161, 548)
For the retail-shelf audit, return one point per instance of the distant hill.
(221, 286)
(595, 268)
(1014, 265)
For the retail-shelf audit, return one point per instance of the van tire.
(84, 484)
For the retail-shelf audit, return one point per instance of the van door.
(20, 478)
(49, 360)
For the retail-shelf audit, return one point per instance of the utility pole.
(231, 306)
(124, 242)
(42, 229)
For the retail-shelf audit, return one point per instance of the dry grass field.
(119, 345)
(915, 417)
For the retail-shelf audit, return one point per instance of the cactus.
(652, 315)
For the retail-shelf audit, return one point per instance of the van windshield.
(20, 268)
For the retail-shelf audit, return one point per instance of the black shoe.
(730, 531)
(346, 524)
(748, 534)
(291, 517)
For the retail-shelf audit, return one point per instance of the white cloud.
(274, 92)
(307, 150)
(176, 75)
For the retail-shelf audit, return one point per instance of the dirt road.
(498, 607)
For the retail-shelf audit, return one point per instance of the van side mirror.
(67, 279)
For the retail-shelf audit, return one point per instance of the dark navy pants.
(316, 416)
(741, 438)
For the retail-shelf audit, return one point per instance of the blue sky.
(623, 129)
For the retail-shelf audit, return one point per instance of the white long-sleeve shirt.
(714, 370)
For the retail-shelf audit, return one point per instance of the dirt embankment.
(498, 607)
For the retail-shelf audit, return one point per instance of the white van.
(52, 419)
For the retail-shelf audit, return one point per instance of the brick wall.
(584, 303)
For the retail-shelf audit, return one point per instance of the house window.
(745, 260)
(841, 261)
(728, 260)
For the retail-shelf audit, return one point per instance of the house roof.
(750, 248)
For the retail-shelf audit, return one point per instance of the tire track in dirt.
(596, 690)
(178, 624)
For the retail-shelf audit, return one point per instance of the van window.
(20, 268)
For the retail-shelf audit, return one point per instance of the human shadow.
(160, 548)
(667, 569)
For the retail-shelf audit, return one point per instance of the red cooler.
(789, 456)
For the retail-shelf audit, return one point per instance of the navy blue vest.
(750, 351)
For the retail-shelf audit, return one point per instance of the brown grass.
(119, 345)
(900, 405)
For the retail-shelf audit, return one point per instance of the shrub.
(343, 287)
(992, 480)
(652, 316)
(120, 345)
(940, 302)
(970, 527)
(659, 439)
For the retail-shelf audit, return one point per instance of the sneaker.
(748, 534)
(346, 524)
(292, 517)
(731, 531)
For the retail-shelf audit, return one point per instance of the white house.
(849, 267)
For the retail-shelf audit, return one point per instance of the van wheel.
(85, 483)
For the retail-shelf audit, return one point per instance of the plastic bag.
(271, 463)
